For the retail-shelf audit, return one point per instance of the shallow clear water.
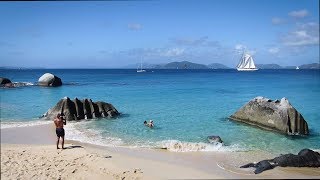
(186, 106)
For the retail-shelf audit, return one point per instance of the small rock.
(214, 139)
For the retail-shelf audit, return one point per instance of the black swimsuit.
(60, 132)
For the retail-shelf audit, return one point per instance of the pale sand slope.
(26, 158)
(43, 162)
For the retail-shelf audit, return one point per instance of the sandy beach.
(30, 153)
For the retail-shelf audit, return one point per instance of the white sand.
(30, 153)
(44, 162)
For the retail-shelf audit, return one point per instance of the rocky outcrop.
(81, 109)
(4, 81)
(49, 79)
(305, 158)
(214, 139)
(276, 115)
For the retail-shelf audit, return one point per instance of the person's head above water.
(145, 122)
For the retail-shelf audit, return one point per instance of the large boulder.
(49, 79)
(276, 115)
(305, 158)
(81, 109)
(4, 81)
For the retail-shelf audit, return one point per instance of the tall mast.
(241, 60)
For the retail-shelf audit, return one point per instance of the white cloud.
(304, 34)
(299, 13)
(273, 50)
(173, 52)
(277, 21)
(252, 52)
(240, 47)
(151, 52)
(134, 26)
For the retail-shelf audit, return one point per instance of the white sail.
(241, 62)
(246, 63)
(141, 70)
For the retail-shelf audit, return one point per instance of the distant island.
(191, 65)
(179, 65)
(184, 65)
(310, 66)
(217, 66)
(21, 68)
(276, 66)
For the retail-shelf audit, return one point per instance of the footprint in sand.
(137, 170)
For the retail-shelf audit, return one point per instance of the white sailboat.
(141, 70)
(246, 63)
(297, 67)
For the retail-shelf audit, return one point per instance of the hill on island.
(269, 66)
(276, 66)
(178, 65)
(184, 65)
(310, 66)
(217, 66)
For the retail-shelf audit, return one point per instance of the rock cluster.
(81, 109)
(305, 158)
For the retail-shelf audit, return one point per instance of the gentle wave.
(92, 136)
(179, 146)
(5, 125)
(18, 84)
(77, 131)
(23, 83)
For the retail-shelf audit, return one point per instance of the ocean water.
(185, 105)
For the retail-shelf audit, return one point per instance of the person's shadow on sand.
(73, 146)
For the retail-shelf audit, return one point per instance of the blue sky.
(111, 34)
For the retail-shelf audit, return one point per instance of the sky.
(114, 34)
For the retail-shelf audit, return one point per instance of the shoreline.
(153, 163)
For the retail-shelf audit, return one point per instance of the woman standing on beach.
(59, 121)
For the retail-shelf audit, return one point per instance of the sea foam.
(180, 146)
(5, 125)
(76, 132)
(21, 84)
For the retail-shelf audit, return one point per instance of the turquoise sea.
(186, 106)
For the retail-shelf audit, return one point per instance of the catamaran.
(246, 63)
